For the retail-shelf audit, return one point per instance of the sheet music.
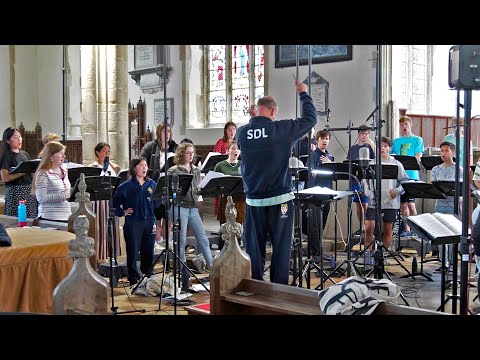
(438, 225)
(318, 190)
(210, 154)
(210, 175)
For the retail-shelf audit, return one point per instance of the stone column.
(105, 100)
(89, 101)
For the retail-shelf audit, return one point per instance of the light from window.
(240, 68)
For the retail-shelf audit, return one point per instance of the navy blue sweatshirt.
(130, 194)
(266, 146)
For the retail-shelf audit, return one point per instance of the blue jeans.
(191, 217)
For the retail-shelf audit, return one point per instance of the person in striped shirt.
(51, 185)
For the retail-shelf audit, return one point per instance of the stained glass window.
(236, 80)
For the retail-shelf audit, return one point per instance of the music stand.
(408, 162)
(97, 186)
(318, 196)
(212, 161)
(430, 161)
(74, 174)
(388, 172)
(222, 187)
(447, 187)
(197, 159)
(184, 183)
(422, 190)
(170, 163)
(28, 167)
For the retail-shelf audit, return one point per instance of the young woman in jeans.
(189, 215)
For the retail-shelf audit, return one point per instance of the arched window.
(235, 81)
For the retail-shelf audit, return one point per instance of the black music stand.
(448, 188)
(184, 183)
(454, 240)
(197, 159)
(222, 187)
(212, 161)
(430, 161)
(27, 167)
(422, 190)
(88, 171)
(170, 163)
(318, 197)
(97, 186)
(388, 172)
(408, 162)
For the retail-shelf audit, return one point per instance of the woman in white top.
(51, 185)
(101, 208)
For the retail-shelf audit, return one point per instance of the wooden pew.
(234, 292)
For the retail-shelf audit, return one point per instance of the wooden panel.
(73, 152)
(428, 130)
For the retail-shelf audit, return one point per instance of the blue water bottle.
(22, 213)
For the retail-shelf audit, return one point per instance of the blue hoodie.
(266, 147)
(130, 194)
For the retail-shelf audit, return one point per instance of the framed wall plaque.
(286, 55)
(159, 111)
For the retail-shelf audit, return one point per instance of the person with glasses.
(188, 205)
(17, 186)
(51, 185)
(363, 141)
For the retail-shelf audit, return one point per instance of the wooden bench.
(234, 292)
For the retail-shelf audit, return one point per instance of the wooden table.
(32, 267)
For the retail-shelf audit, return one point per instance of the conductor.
(268, 184)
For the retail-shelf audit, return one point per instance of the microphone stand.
(112, 247)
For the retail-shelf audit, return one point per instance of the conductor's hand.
(301, 87)
(129, 211)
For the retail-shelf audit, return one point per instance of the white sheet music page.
(450, 221)
(432, 225)
(210, 154)
(210, 175)
(318, 190)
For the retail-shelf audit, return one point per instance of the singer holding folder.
(101, 207)
(268, 184)
(17, 186)
(51, 185)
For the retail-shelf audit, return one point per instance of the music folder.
(29, 167)
(197, 159)
(472, 167)
(99, 187)
(184, 182)
(74, 173)
(408, 162)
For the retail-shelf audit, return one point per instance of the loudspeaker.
(464, 67)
